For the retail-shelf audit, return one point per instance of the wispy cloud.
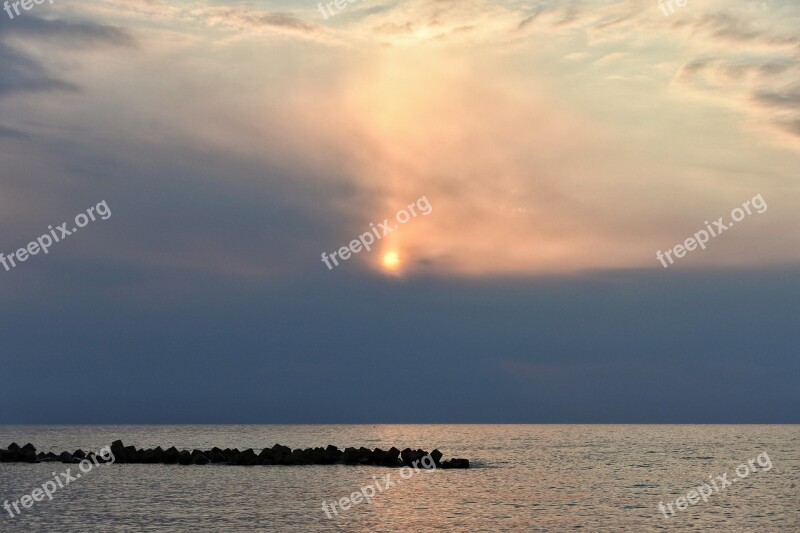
(547, 136)
(23, 71)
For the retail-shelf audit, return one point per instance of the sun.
(391, 261)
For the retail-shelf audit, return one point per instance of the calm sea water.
(524, 478)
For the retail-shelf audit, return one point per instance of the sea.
(522, 478)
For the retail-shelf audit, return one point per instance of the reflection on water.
(525, 478)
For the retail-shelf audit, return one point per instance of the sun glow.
(391, 261)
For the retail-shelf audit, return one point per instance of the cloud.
(788, 99)
(12, 133)
(275, 23)
(282, 20)
(527, 21)
(68, 33)
(727, 27)
(23, 72)
(793, 126)
(534, 164)
(693, 68)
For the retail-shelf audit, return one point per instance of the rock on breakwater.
(277, 455)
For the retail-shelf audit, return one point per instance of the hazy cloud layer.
(547, 136)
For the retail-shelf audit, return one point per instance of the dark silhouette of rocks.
(15, 454)
(456, 463)
(200, 459)
(184, 458)
(67, 458)
(436, 455)
(277, 455)
(170, 455)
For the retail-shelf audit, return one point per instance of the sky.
(560, 147)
